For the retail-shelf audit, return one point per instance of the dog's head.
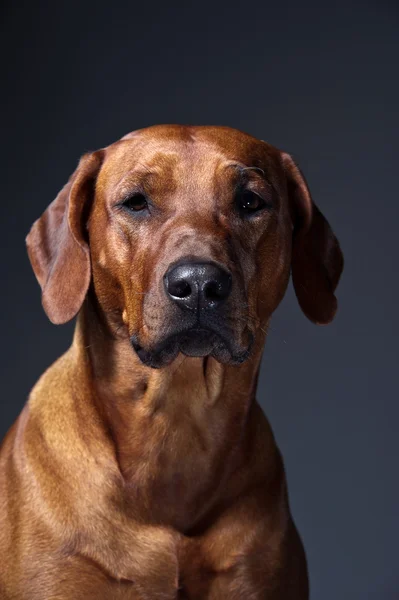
(188, 235)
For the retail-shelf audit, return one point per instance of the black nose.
(197, 285)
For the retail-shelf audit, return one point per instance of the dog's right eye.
(136, 203)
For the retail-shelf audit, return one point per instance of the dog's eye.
(136, 203)
(249, 202)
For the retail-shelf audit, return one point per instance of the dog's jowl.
(142, 466)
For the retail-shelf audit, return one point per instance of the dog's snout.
(195, 286)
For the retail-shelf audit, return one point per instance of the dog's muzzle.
(198, 294)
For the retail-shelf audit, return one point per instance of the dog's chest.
(175, 464)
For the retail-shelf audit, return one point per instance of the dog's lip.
(220, 347)
(197, 342)
(197, 330)
(178, 339)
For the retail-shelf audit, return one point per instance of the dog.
(142, 466)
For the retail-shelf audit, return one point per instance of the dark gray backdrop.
(318, 80)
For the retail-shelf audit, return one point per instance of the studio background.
(317, 80)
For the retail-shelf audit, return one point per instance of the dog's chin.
(195, 343)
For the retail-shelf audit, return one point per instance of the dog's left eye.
(136, 203)
(249, 202)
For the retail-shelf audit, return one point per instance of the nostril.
(180, 289)
(213, 291)
(217, 290)
(197, 285)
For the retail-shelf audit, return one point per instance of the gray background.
(318, 80)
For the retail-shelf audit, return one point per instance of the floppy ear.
(57, 245)
(317, 260)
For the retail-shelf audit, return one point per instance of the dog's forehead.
(225, 139)
(194, 148)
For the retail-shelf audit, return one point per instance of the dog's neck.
(195, 408)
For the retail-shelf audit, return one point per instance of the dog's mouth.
(195, 342)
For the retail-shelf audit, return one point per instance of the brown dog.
(142, 466)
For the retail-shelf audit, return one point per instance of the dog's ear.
(57, 244)
(317, 260)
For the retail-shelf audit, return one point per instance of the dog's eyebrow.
(242, 171)
(242, 168)
(142, 171)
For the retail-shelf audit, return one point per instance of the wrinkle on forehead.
(128, 166)
(242, 168)
(243, 173)
(160, 166)
(186, 156)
